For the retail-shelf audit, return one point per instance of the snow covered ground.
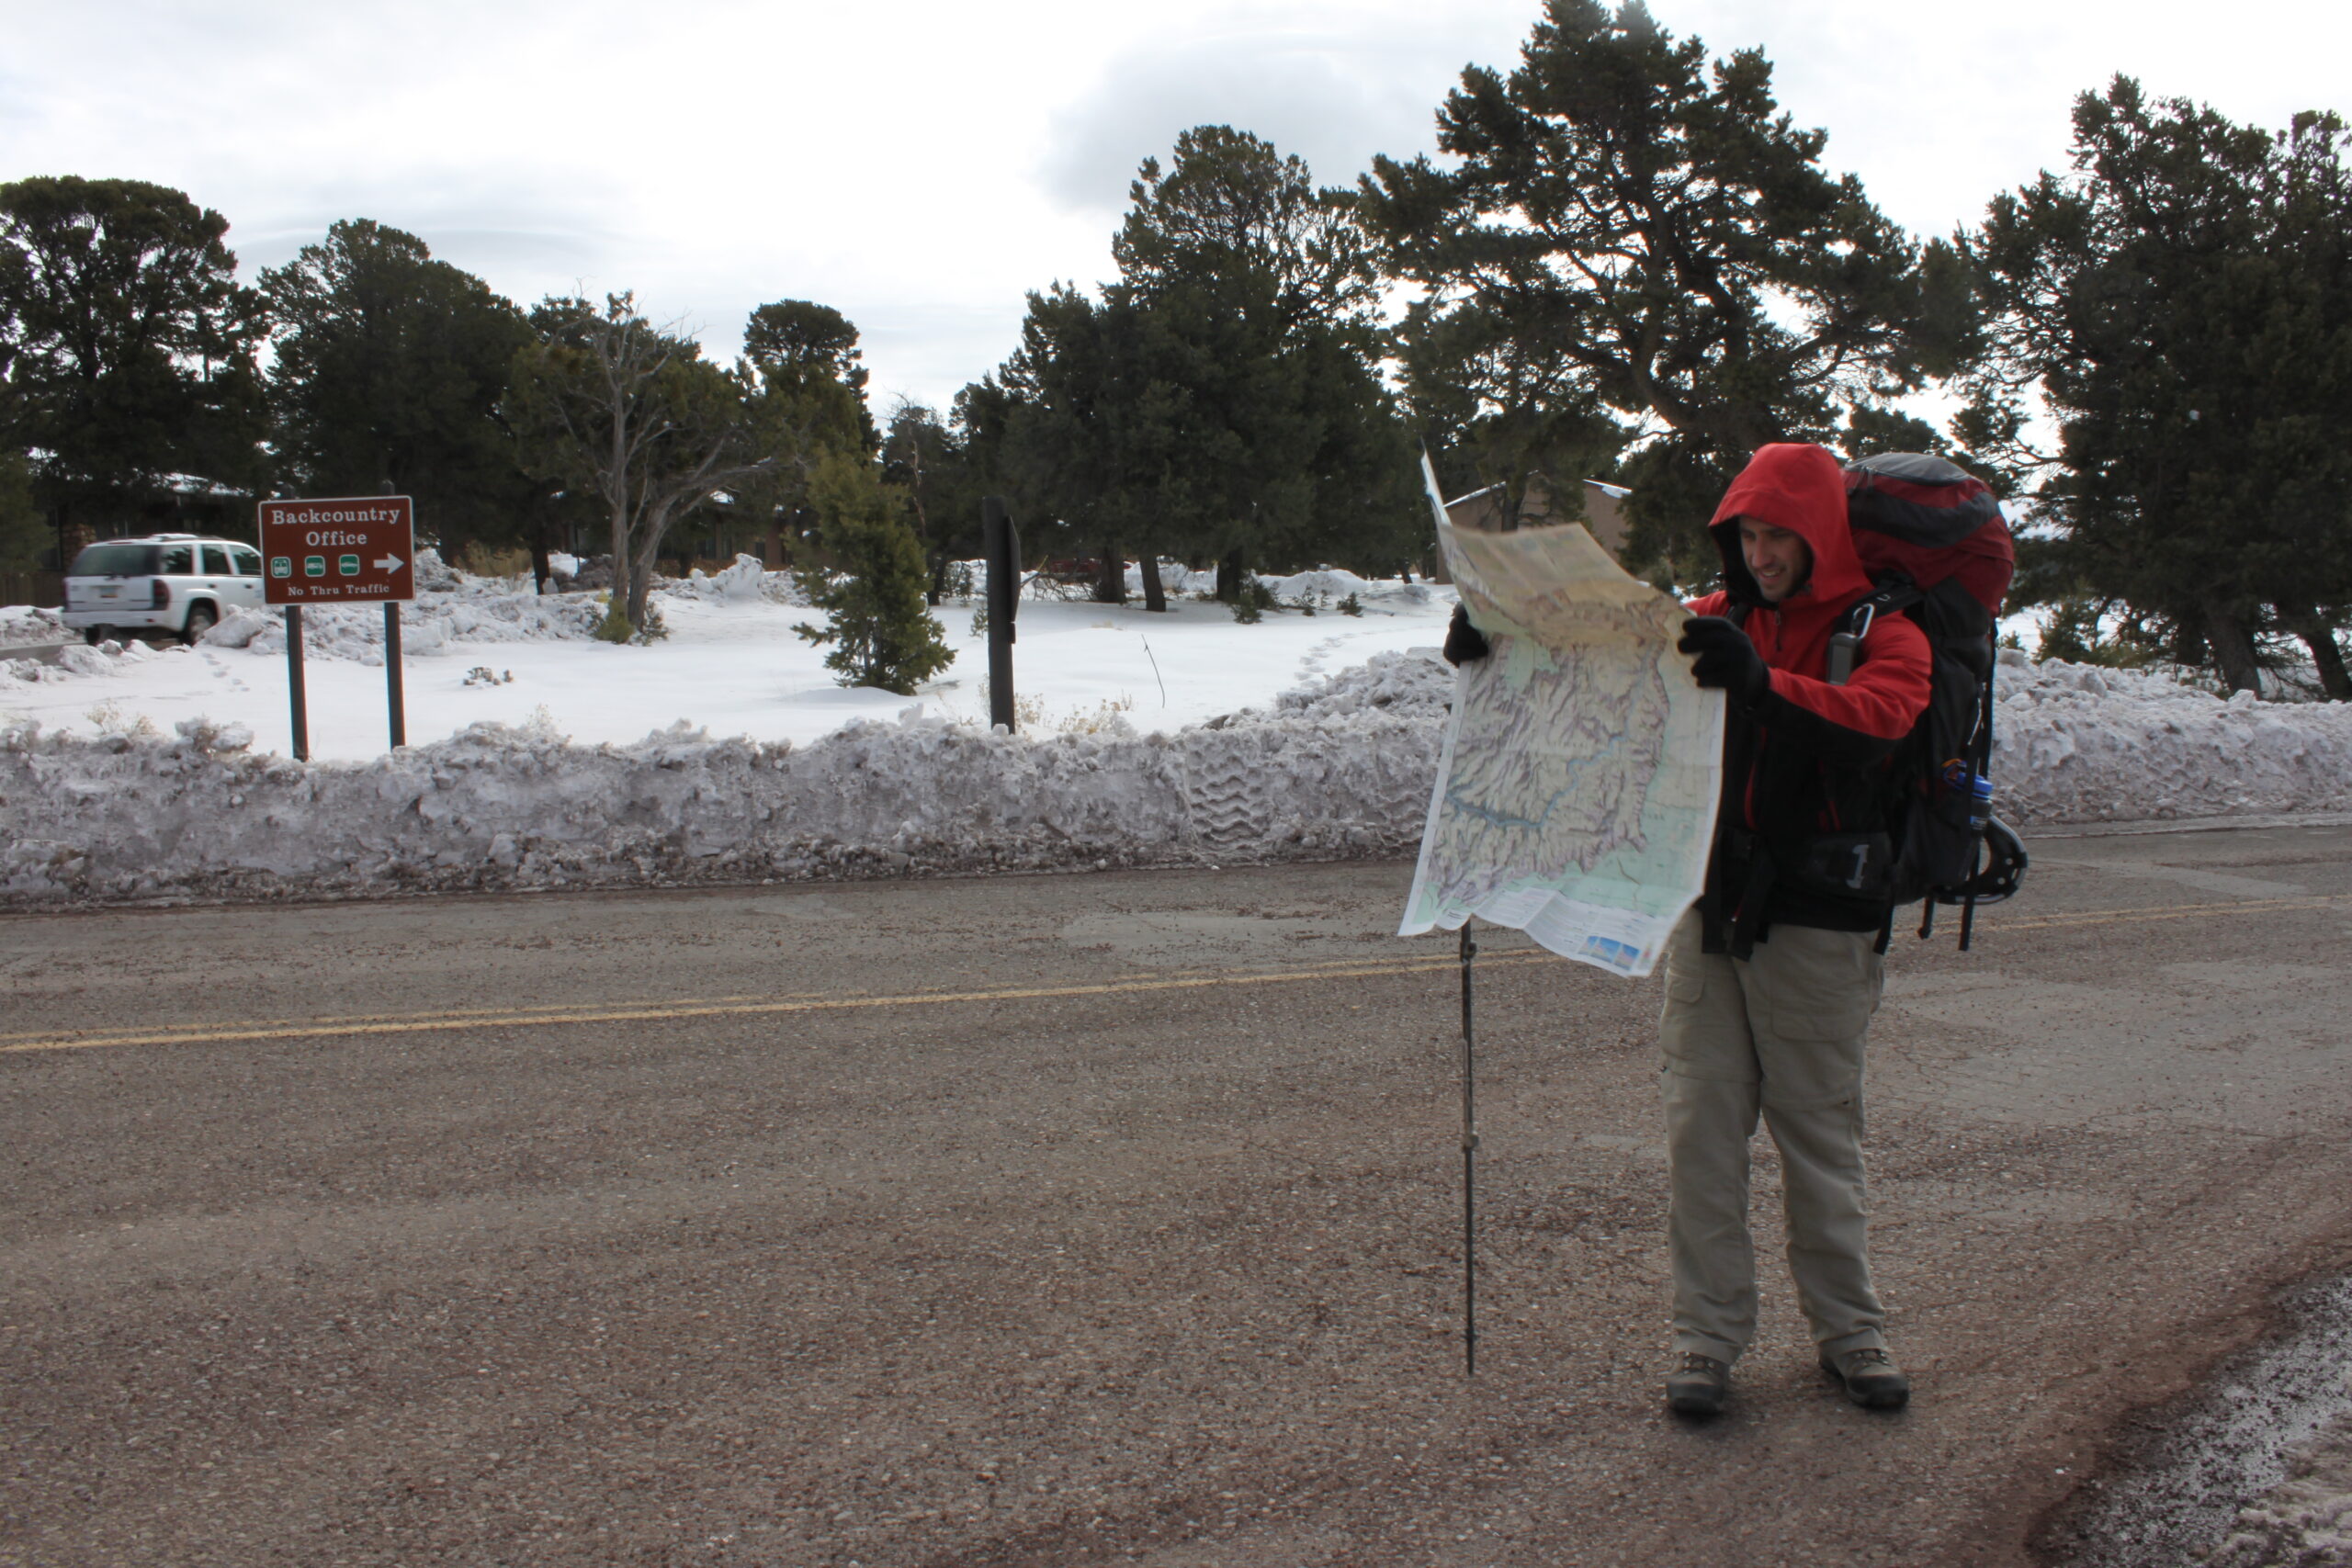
(546, 759)
(731, 664)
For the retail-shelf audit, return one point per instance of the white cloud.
(920, 165)
(1333, 88)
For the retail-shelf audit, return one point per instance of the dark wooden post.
(294, 683)
(1001, 544)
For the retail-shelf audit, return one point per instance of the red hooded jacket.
(1809, 760)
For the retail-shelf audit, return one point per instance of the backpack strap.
(1894, 594)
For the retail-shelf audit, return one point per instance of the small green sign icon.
(348, 565)
(314, 566)
(281, 566)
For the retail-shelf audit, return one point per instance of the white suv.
(171, 582)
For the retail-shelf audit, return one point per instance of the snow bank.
(78, 660)
(25, 625)
(1341, 768)
(501, 807)
(747, 581)
(429, 627)
(2083, 744)
(1321, 588)
(1418, 682)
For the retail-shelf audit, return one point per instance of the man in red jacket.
(1771, 979)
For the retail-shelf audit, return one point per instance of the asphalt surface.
(1098, 1219)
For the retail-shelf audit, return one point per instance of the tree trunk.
(640, 584)
(1110, 576)
(2233, 648)
(1229, 568)
(1155, 596)
(2326, 656)
(625, 592)
(541, 569)
(655, 527)
(771, 545)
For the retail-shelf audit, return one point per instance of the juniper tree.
(632, 414)
(872, 592)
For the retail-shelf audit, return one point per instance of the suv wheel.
(202, 618)
(96, 635)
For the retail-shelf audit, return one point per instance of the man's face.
(1777, 558)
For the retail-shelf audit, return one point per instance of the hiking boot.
(1871, 1378)
(1699, 1386)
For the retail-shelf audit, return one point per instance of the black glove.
(1464, 642)
(1725, 658)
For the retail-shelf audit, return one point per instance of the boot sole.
(1698, 1401)
(1869, 1399)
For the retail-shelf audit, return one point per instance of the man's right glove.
(1725, 658)
(1463, 641)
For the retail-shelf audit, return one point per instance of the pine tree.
(1623, 224)
(872, 595)
(389, 364)
(808, 403)
(127, 346)
(1221, 400)
(2182, 302)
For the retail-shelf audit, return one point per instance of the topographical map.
(1576, 797)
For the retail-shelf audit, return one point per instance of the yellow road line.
(546, 1014)
(667, 1012)
(2178, 912)
(487, 1015)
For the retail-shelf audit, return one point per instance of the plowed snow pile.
(1340, 768)
(2080, 744)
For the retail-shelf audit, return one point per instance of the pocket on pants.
(1703, 1029)
(1817, 992)
(1810, 1075)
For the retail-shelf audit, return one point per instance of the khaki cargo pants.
(1780, 1031)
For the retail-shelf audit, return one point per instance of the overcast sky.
(920, 165)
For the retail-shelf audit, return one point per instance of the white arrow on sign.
(389, 563)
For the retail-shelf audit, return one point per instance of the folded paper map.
(1576, 798)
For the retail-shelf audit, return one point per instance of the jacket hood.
(1801, 487)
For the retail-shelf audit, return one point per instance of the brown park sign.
(327, 552)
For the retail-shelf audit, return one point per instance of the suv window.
(172, 560)
(114, 561)
(245, 560)
(216, 561)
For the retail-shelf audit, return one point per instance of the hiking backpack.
(1933, 541)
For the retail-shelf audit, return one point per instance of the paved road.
(1093, 1219)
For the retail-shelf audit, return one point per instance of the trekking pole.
(1469, 1164)
(1983, 759)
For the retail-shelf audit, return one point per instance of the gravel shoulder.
(705, 1228)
